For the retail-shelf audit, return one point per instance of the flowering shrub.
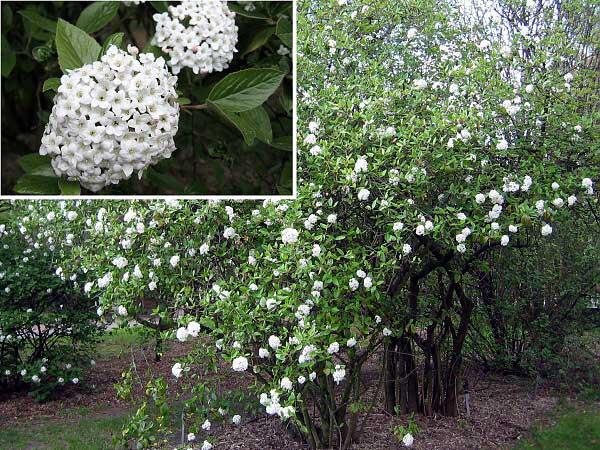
(200, 103)
(46, 329)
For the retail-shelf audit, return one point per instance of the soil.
(501, 410)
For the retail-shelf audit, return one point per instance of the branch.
(194, 107)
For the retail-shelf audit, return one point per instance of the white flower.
(484, 44)
(206, 446)
(35, 379)
(301, 379)
(387, 332)
(271, 303)
(240, 364)
(546, 230)
(558, 202)
(461, 248)
(420, 230)
(339, 373)
(121, 310)
(461, 216)
(555, 186)
(174, 260)
(229, 233)
(332, 218)
(420, 84)
(411, 33)
(177, 370)
(361, 165)
(193, 328)
(316, 250)
(182, 334)
(353, 284)
(286, 384)
(200, 35)
(480, 198)
(513, 228)
(236, 419)
(588, 183)
(334, 347)
(274, 342)
(529, 88)
(363, 194)
(406, 249)
(368, 282)
(191, 437)
(506, 51)
(408, 440)
(119, 262)
(206, 425)
(263, 353)
(502, 144)
(571, 200)
(504, 240)
(289, 236)
(75, 380)
(61, 380)
(203, 250)
(106, 123)
(351, 342)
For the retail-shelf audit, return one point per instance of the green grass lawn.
(72, 433)
(119, 341)
(573, 431)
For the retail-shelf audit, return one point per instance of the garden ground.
(506, 413)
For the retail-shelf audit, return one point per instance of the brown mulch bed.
(502, 409)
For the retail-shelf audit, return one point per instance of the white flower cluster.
(273, 407)
(200, 34)
(112, 117)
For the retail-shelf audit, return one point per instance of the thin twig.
(202, 106)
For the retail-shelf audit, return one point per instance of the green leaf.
(37, 184)
(253, 124)
(8, 57)
(33, 17)
(32, 161)
(51, 84)
(285, 32)
(165, 181)
(207, 322)
(239, 9)
(149, 48)
(161, 7)
(246, 89)
(113, 39)
(69, 187)
(286, 179)
(97, 15)
(7, 17)
(259, 38)
(74, 46)
(184, 101)
(284, 143)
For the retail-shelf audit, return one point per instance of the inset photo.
(192, 98)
